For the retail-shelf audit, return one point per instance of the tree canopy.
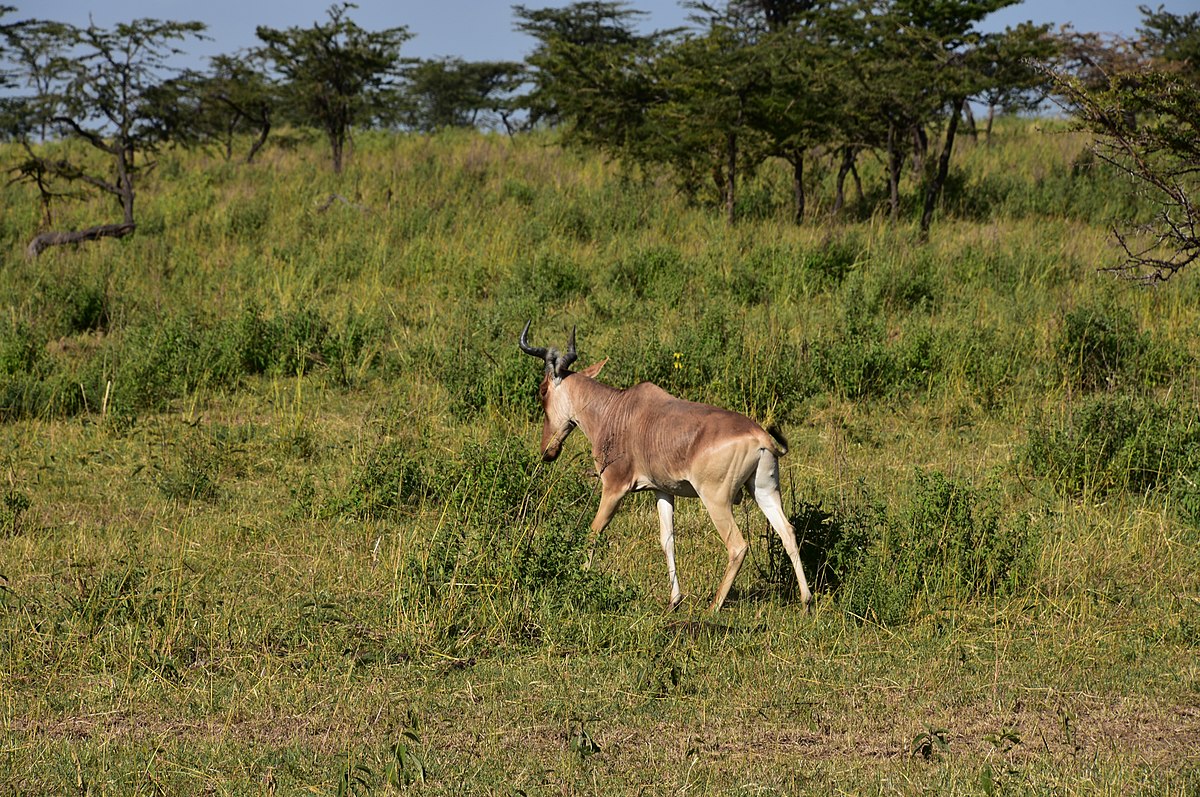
(747, 85)
(335, 74)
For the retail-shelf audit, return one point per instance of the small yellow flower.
(678, 365)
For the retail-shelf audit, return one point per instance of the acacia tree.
(35, 46)
(451, 92)
(589, 74)
(704, 126)
(1148, 127)
(1172, 40)
(1007, 65)
(336, 75)
(234, 98)
(800, 112)
(999, 64)
(96, 89)
(1140, 99)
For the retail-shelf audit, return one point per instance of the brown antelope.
(643, 438)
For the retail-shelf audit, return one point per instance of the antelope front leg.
(609, 501)
(666, 523)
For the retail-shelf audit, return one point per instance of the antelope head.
(556, 400)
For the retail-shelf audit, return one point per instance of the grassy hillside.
(272, 517)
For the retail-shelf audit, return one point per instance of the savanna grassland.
(273, 520)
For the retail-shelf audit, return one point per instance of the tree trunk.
(336, 142)
(969, 120)
(920, 148)
(934, 189)
(849, 154)
(991, 118)
(47, 239)
(264, 128)
(858, 189)
(125, 183)
(797, 160)
(895, 159)
(839, 193)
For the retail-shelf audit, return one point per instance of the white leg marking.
(666, 523)
(766, 493)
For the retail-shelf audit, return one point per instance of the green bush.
(946, 543)
(1102, 348)
(515, 528)
(13, 505)
(478, 376)
(245, 218)
(156, 361)
(192, 475)
(864, 361)
(388, 479)
(1114, 442)
(833, 262)
(1095, 346)
(904, 286)
(22, 350)
(73, 306)
(545, 281)
(658, 273)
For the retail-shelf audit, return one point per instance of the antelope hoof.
(673, 604)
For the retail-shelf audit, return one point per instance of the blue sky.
(482, 30)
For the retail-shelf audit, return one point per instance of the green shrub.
(658, 273)
(946, 542)
(13, 505)
(833, 262)
(1095, 346)
(864, 361)
(1114, 442)
(481, 376)
(519, 191)
(156, 362)
(388, 479)
(1102, 348)
(245, 218)
(162, 359)
(22, 350)
(192, 467)
(905, 286)
(1185, 496)
(515, 528)
(73, 306)
(548, 280)
(771, 381)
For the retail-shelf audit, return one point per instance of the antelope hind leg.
(766, 493)
(721, 513)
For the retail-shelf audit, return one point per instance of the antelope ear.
(594, 369)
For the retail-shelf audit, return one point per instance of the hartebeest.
(643, 438)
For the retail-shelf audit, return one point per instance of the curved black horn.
(564, 362)
(533, 351)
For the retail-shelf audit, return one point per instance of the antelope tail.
(781, 443)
